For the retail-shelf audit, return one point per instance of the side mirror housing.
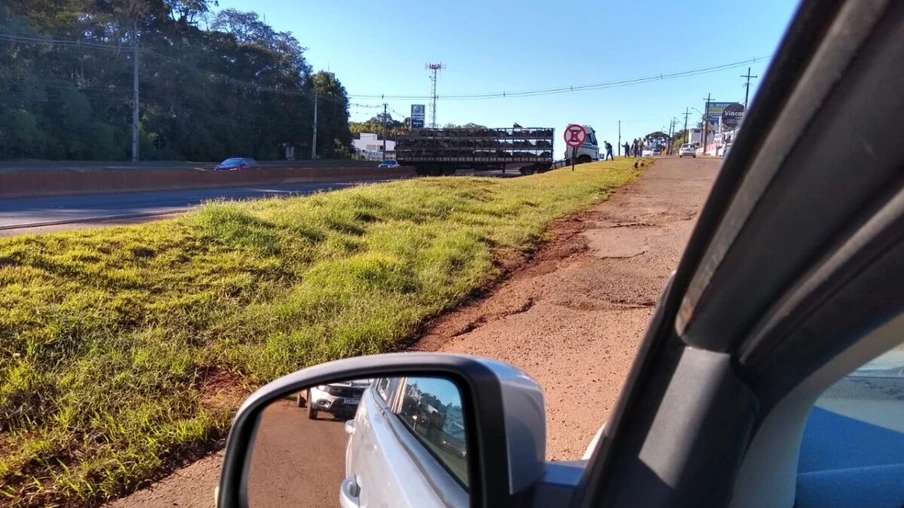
(504, 417)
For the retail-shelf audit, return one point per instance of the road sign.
(575, 135)
(418, 114)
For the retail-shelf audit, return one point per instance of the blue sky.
(503, 46)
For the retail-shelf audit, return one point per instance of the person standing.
(627, 150)
(608, 151)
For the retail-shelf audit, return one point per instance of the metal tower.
(433, 68)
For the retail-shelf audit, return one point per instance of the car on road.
(657, 151)
(646, 152)
(769, 374)
(236, 163)
(389, 164)
(687, 150)
(337, 399)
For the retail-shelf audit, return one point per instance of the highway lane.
(28, 213)
(46, 214)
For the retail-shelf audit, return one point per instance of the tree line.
(212, 84)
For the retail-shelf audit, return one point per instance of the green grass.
(125, 348)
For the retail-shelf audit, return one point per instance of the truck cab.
(587, 152)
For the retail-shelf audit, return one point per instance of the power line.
(572, 88)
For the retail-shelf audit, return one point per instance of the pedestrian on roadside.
(636, 144)
(608, 151)
(627, 150)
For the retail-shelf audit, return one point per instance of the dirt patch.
(222, 390)
(591, 290)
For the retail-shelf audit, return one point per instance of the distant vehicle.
(338, 399)
(657, 151)
(647, 152)
(725, 150)
(687, 149)
(236, 163)
(389, 164)
(435, 152)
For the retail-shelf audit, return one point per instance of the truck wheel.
(312, 413)
(300, 400)
(583, 159)
(450, 171)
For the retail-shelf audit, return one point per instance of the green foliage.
(658, 139)
(125, 348)
(212, 85)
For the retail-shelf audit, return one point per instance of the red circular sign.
(575, 135)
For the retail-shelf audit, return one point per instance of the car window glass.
(867, 409)
(431, 409)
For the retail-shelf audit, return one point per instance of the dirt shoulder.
(572, 317)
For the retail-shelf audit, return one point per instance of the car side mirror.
(402, 429)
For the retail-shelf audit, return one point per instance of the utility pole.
(706, 121)
(384, 131)
(747, 91)
(619, 138)
(687, 113)
(671, 135)
(433, 68)
(135, 90)
(314, 140)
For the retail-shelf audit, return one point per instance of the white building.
(369, 146)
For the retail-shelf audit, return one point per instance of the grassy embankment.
(122, 349)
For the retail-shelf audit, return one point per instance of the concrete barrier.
(23, 184)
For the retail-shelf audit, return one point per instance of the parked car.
(725, 150)
(236, 163)
(687, 149)
(747, 388)
(338, 399)
(657, 151)
(646, 152)
(389, 164)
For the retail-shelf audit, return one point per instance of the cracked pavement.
(574, 315)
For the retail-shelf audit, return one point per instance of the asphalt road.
(24, 215)
(296, 461)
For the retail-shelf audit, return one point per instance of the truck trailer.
(436, 152)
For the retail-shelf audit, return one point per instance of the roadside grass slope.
(125, 349)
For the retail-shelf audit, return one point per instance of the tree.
(657, 139)
(232, 86)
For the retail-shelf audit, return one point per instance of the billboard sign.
(714, 111)
(732, 115)
(418, 115)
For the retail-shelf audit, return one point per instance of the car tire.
(312, 413)
(300, 400)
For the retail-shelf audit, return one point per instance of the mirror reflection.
(394, 441)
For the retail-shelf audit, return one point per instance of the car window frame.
(436, 473)
(426, 446)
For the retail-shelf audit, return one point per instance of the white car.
(338, 399)
(725, 150)
(687, 149)
(647, 152)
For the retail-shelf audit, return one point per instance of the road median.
(127, 349)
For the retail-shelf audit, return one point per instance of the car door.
(791, 280)
(390, 466)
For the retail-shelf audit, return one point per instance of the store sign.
(732, 115)
(418, 115)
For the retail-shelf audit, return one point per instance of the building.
(370, 146)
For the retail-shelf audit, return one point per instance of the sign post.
(574, 137)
